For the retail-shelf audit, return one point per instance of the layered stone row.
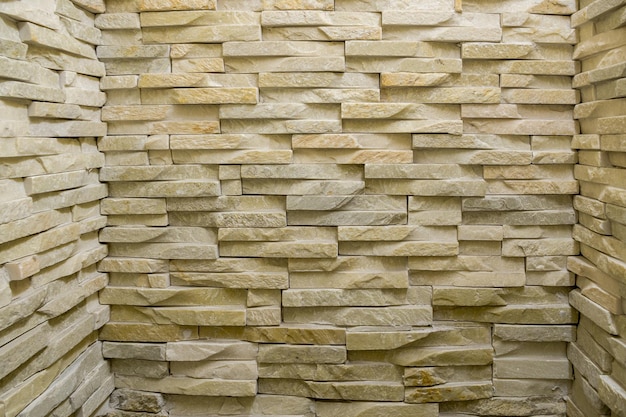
(351, 207)
(51, 362)
(598, 355)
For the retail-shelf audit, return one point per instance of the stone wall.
(348, 207)
(599, 353)
(50, 359)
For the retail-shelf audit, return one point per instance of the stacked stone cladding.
(599, 353)
(51, 361)
(349, 207)
(312, 208)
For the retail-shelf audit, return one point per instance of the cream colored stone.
(293, 334)
(355, 391)
(190, 386)
(326, 372)
(450, 392)
(170, 297)
(302, 354)
(146, 332)
(336, 297)
(372, 409)
(360, 316)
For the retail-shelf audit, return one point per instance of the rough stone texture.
(51, 363)
(313, 208)
(363, 205)
(597, 354)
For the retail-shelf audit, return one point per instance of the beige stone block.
(509, 405)
(263, 316)
(23, 348)
(303, 249)
(19, 90)
(529, 387)
(361, 316)
(450, 392)
(442, 356)
(323, 33)
(200, 65)
(54, 110)
(389, 48)
(317, 80)
(21, 269)
(406, 248)
(226, 220)
(446, 95)
(302, 187)
(146, 332)
(471, 141)
(182, 188)
(138, 351)
(394, 233)
(352, 157)
(170, 296)
(381, 391)
(445, 33)
(397, 111)
(325, 372)
(446, 296)
(231, 141)
(201, 34)
(44, 37)
(438, 335)
(498, 51)
(447, 187)
(436, 376)
(599, 43)
(320, 95)
(302, 354)
(531, 368)
(441, 19)
(318, 18)
(189, 386)
(525, 67)
(279, 111)
(511, 314)
(39, 222)
(298, 5)
(140, 367)
(294, 334)
(402, 64)
(193, 315)
(539, 247)
(286, 48)
(261, 280)
(164, 250)
(200, 96)
(337, 297)
(199, 18)
(156, 173)
(194, 351)
(269, 156)
(117, 21)
(555, 35)
(227, 370)
(378, 142)
(371, 409)
(401, 126)
(597, 313)
(168, 5)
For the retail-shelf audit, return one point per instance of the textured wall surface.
(50, 360)
(599, 353)
(349, 207)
